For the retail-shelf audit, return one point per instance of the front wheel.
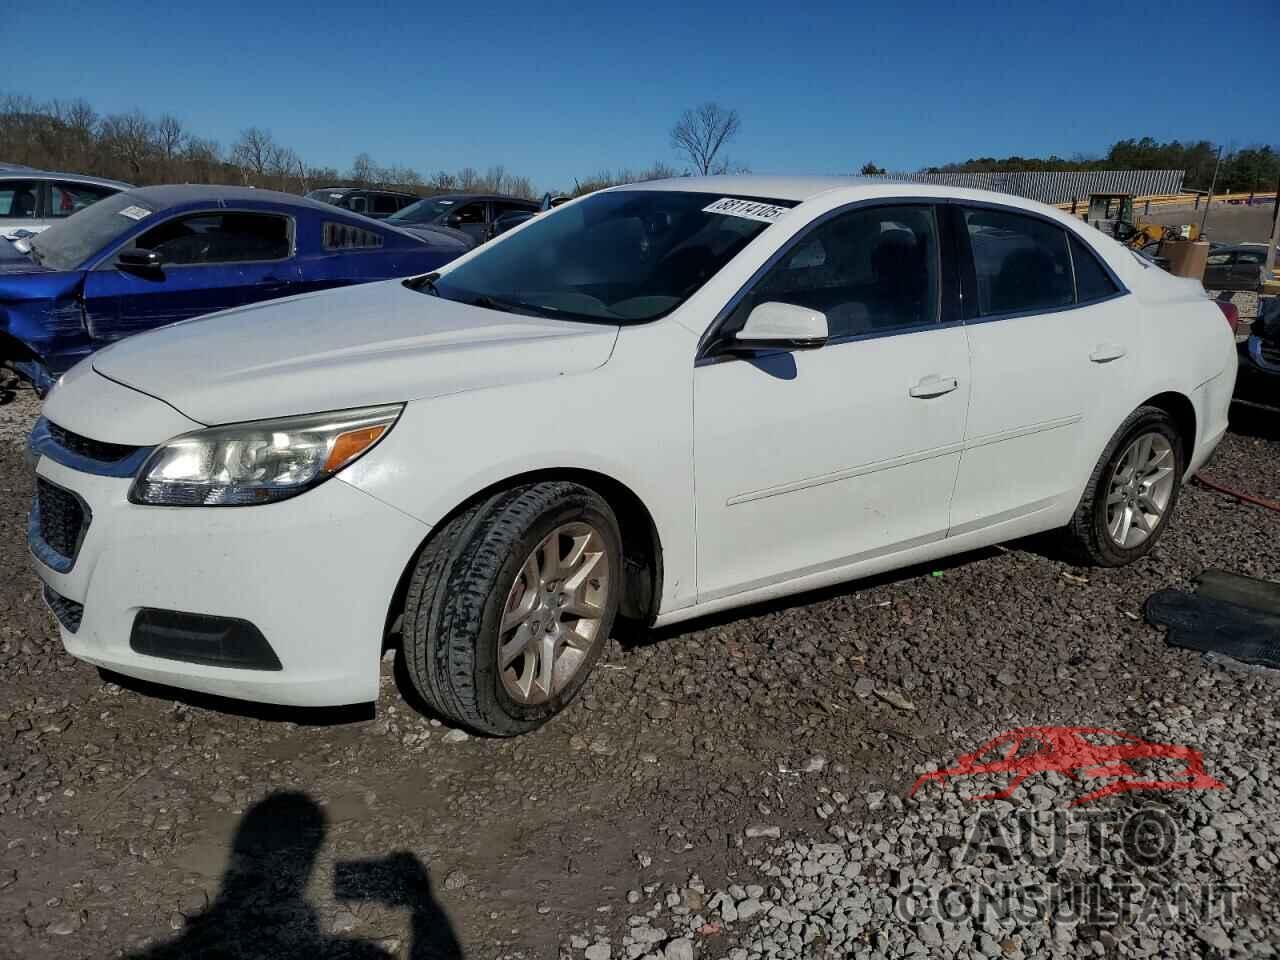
(511, 604)
(1132, 492)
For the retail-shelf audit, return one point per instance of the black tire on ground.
(1086, 538)
(457, 590)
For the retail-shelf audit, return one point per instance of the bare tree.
(131, 138)
(702, 132)
(202, 159)
(253, 154)
(364, 171)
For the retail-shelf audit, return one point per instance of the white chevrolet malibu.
(659, 401)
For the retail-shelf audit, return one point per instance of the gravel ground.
(733, 788)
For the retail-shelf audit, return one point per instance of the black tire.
(1086, 538)
(459, 585)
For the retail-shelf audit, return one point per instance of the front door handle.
(933, 386)
(1106, 352)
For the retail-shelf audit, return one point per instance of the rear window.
(1092, 280)
(1022, 264)
(343, 236)
(68, 198)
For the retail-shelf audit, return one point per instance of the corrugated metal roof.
(1058, 186)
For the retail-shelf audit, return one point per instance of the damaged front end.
(42, 326)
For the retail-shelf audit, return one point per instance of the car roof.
(394, 193)
(457, 197)
(19, 172)
(853, 188)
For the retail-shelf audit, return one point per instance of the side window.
(219, 238)
(383, 204)
(1251, 257)
(357, 204)
(68, 198)
(869, 271)
(1092, 280)
(343, 236)
(471, 213)
(1021, 263)
(19, 199)
(1219, 259)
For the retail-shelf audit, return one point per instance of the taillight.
(1231, 312)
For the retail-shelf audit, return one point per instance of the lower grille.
(61, 518)
(68, 612)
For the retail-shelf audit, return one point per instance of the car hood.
(434, 232)
(358, 346)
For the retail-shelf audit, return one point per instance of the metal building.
(1058, 186)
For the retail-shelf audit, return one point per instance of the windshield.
(69, 243)
(424, 211)
(616, 257)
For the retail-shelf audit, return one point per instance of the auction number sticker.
(135, 213)
(748, 209)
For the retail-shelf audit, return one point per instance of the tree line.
(72, 136)
(1255, 167)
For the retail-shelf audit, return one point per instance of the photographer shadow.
(261, 911)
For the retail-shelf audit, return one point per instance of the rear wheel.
(511, 604)
(1132, 492)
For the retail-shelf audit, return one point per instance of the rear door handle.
(1106, 352)
(933, 386)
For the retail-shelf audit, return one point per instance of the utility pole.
(1275, 236)
(1209, 199)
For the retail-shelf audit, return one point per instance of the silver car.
(32, 200)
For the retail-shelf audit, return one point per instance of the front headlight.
(259, 462)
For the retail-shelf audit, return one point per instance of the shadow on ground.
(261, 911)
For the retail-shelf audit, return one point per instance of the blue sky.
(555, 91)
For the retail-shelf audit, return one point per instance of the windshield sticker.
(748, 209)
(135, 213)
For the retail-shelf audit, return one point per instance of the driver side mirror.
(139, 259)
(782, 326)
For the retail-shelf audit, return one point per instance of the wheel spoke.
(1120, 525)
(1140, 520)
(549, 560)
(514, 647)
(1156, 475)
(1147, 505)
(547, 664)
(514, 617)
(1143, 452)
(1116, 496)
(576, 551)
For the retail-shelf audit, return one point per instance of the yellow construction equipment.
(1112, 213)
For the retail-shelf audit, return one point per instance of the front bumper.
(315, 574)
(1258, 381)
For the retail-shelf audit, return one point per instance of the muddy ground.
(143, 820)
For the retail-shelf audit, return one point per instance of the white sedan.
(659, 401)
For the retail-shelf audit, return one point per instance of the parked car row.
(146, 257)
(661, 401)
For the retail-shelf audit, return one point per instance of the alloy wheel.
(551, 620)
(1141, 489)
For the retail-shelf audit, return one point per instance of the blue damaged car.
(151, 256)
